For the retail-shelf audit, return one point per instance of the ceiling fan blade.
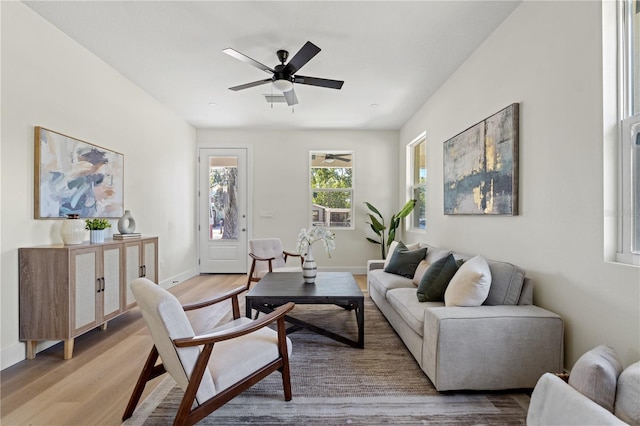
(337, 157)
(322, 82)
(304, 55)
(244, 58)
(272, 99)
(291, 97)
(246, 86)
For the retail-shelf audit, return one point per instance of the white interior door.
(223, 210)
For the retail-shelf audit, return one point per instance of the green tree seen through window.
(331, 178)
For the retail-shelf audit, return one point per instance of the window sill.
(417, 230)
(628, 259)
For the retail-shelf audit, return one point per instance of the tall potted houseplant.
(378, 226)
(96, 229)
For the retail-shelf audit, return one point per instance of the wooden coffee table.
(330, 288)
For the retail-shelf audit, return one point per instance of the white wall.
(281, 184)
(49, 80)
(548, 57)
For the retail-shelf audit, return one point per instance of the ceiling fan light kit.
(282, 85)
(284, 77)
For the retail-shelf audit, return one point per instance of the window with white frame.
(629, 118)
(629, 115)
(417, 161)
(331, 188)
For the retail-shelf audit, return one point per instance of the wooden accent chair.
(210, 368)
(268, 256)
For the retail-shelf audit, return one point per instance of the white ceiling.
(392, 55)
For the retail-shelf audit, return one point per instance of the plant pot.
(73, 230)
(309, 268)
(96, 236)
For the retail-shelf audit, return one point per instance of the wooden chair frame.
(270, 260)
(188, 416)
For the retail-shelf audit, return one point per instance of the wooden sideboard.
(67, 290)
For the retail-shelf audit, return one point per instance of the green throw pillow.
(434, 282)
(404, 261)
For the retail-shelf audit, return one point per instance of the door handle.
(244, 229)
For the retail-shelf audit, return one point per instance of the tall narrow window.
(331, 189)
(629, 65)
(418, 181)
(223, 189)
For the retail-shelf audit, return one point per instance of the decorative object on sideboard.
(127, 224)
(96, 229)
(73, 230)
(480, 170)
(73, 176)
(306, 238)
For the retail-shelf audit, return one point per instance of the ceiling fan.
(284, 76)
(329, 158)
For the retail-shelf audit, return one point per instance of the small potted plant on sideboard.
(96, 229)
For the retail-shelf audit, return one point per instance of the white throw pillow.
(470, 285)
(420, 270)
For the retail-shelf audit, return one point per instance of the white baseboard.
(12, 355)
(177, 279)
(18, 352)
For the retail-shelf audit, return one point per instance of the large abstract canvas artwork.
(76, 177)
(481, 167)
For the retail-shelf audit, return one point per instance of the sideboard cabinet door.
(150, 258)
(113, 277)
(141, 261)
(84, 289)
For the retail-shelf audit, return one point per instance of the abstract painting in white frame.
(76, 177)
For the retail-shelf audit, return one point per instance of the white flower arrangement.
(306, 238)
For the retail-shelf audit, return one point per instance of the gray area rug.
(335, 384)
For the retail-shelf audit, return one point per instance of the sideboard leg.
(31, 348)
(103, 327)
(68, 349)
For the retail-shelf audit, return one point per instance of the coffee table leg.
(248, 308)
(360, 318)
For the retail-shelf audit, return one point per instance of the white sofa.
(507, 343)
(601, 397)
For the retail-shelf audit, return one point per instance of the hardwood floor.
(94, 386)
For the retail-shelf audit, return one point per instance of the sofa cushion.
(434, 254)
(404, 261)
(595, 375)
(470, 285)
(627, 405)
(435, 281)
(384, 281)
(392, 248)
(506, 283)
(404, 302)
